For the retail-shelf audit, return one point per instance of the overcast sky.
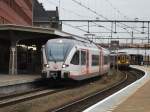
(111, 9)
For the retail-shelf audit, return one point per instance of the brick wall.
(16, 12)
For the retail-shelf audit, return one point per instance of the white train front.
(73, 59)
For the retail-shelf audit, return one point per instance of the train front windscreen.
(58, 51)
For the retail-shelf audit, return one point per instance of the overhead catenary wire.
(79, 15)
(79, 3)
(100, 15)
(74, 27)
(67, 10)
(117, 10)
(121, 25)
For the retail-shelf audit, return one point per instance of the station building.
(42, 17)
(16, 12)
(20, 40)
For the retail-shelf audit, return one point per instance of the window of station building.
(83, 57)
(75, 59)
(106, 60)
(95, 60)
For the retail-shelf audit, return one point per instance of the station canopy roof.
(15, 32)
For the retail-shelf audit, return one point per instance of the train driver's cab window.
(75, 59)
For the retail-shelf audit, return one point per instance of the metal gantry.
(114, 27)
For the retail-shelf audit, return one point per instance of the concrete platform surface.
(139, 101)
(124, 100)
(6, 80)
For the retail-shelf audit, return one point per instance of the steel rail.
(92, 95)
(8, 100)
(20, 93)
(128, 79)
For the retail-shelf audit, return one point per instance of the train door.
(123, 58)
(75, 64)
(84, 62)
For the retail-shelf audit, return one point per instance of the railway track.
(48, 89)
(81, 104)
(11, 95)
(29, 95)
(72, 106)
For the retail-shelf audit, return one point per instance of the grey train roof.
(74, 42)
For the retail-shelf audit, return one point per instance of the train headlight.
(64, 65)
(46, 65)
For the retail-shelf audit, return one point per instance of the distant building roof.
(40, 14)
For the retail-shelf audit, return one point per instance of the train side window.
(106, 60)
(83, 57)
(75, 59)
(95, 60)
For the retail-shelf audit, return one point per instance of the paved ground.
(17, 79)
(138, 102)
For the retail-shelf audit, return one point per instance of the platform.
(133, 98)
(138, 102)
(6, 80)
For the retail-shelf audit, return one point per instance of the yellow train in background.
(120, 60)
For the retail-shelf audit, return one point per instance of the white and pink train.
(77, 60)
